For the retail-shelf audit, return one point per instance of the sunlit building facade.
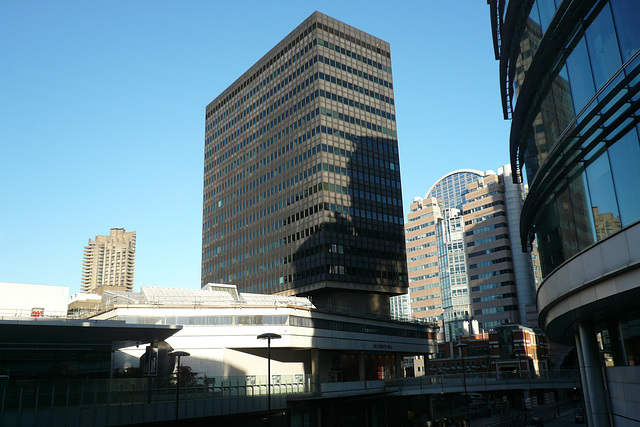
(569, 74)
(460, 260)
(425, 294)
(400, 307)
(302, 188)
(109, 262)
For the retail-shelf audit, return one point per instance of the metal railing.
(479, 381)
(38, 394)
(129, 398)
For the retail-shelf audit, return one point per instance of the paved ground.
(563, 421)
(548, 413)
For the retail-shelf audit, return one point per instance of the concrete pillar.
(315, 362)
(583, 381)
(525, 287)
(591, 374)
(399, 372)
(430, 407)
(362, 374)
(617, 347)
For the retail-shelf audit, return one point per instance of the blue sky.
(102, 115)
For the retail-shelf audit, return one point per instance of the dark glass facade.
(570, 74)
(572, 93)
(302, 188)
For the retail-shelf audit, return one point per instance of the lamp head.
(269, 335)
(178, 353)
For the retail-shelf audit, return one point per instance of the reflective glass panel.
(602, 45)
(548, 238)
(626, 14)
(531, 152)
(563, 102)
(603, 202)
(625, 158)
(565, 217)
(534, 15)
(546, 8)
(580, 77)
(582, 214)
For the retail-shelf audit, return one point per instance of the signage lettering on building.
(383, 346)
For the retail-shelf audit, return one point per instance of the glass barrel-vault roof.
(212, 295)
(451, 188)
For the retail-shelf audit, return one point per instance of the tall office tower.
(501, 277)
(459, 253)
(425, 292)
(569, 79)
(301, 177)
(452, 263)
(109, 262)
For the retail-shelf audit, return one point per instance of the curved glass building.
(569, 74)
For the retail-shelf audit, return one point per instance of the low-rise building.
(221, 326)
(29, 300)
(82, 305)
(56, 349)
(508, 348)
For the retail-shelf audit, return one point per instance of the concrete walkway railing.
(101, 402)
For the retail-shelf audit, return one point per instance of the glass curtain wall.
(594, 100)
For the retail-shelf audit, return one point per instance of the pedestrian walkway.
(545, 412)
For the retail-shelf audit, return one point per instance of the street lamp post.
(461, 346)
(178, 354)
(555, 391)
(269, 336)
(523, 351)
(519, 364)
(524, 404)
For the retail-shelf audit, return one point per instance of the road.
(565, 420)
(546, 412)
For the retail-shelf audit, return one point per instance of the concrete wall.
(17, 299)
(623, 391)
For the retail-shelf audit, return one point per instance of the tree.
(187, 376)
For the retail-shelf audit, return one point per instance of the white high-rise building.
(109, 262)
(400, 307)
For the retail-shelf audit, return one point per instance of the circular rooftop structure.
(450, 189)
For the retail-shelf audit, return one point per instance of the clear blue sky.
(102, 115)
